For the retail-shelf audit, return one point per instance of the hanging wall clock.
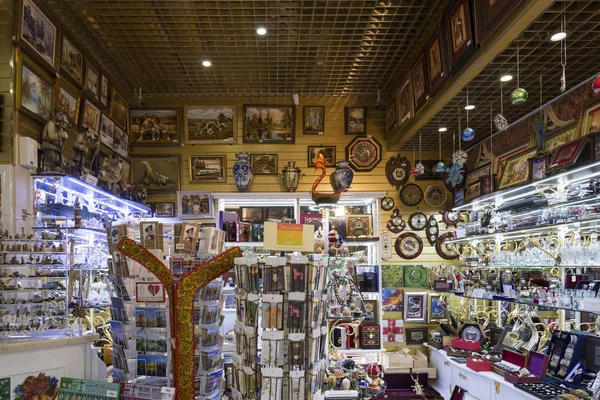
(435, 195)
(417, 221)
(363, 153)
(397, 171)
(432, 231)
(444, 249)
(387, 203)
(386, 246)
(450, 218)
(411, 195)
(396, 224)
(409, 245)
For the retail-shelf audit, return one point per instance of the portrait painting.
(313, 120)
(92, 80)
(118, 109)
(356, 120)
(120, 141)
(420, 86)
(329, 152)
(38, 32)
(264, 164)
(104, 90)
(516, 170)
(210, 124)
(154, 127)
(269, 124)
(67, 101)
(405, 102)
(156, 173)
(36, 94)
(195, 205)
(107, 131)
(591, 119)
(596, 148)
(391, 116)
(91, 117)
(71, 61)
(487, 184)
(164, 209)
(207, 168)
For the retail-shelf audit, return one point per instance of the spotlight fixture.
(261, 30)
(206, 63)
(557, 37)
(469, 107)
(506, 78)
(442, 129)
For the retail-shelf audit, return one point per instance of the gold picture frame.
(207, 168)
(516, 170)
(359, 225)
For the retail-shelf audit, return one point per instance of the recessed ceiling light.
(557, 37)
(261, 30)
(206, 63)
(506, 78)
(470, 107)
(442, 129)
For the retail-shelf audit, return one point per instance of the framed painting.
(68, 101)
(355, 120)
(253, 215)
(516, 170)
(490, 13)
(120, 141)
(195, 205)
(313, 120)
(392, 276)
(415, 276)
(500, 163)
(363, 153)
(596, 147)
(149, 127)
(156, 172)
(459, 197)
(391, 116)
(328, 153)
(38, 33)
(107, 131)
(91, 116)
(36, 93)
(415, 307)
(590, 119)
(71, 61)
(487, 184)
(416, 335)
(269, 124)
(473, 191)
(104, 91)
(392, 299)
(404, 97)
(210, 124)
(436, 61)
(459, 27)
(567, 154)
(538, 168)
(436, 310)
(474, 175)
(420, 82)
(559, 137)
(92, 81)
(207, 168)
(118, 109)
(264, 164)
(164, 209)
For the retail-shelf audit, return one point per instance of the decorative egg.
(345, 384)
(363, 385)
(373, 370)
(440, 168)
(596, 85)
(518, 96)
(468, 134)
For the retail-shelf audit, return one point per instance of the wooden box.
(370, 337)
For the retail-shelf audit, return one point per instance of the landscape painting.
(314, 120)
(91, 117)
(71, 61)
(38, 32)
(210, 124)
(68, 104)
(264, 164)
(118, 109)
(356, 121)
(154, 126)
(269, 124)
(36, 94)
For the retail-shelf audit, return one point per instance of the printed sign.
(150, 292)
(82, 388)
(144, 392)
(288, 237)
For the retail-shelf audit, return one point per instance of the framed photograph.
(420, 82)
(104, 91)
(359, 225)
(415, 307)
(355, 120)
(392, 299)
(436, 310)
(107, 131)
(71, 61)
(590, 119)
(36, 93)
(38, 32)
(487, 184)
(473, 191)
(329, 152)
(538, 168)
(164, 209)
(264, 164)
(210, 124)
(252, 215)
(459, 27)
(417, 335)
(91, 116)
(195, 205)
(567, 154)
(436, 62)
(207, 168)
(404, 97)
(156, 172)
(120, 142)
(516, 170)
(313, 118)
(118, 109)
(92, 81)
(68, 101)
(269, 124)
(490, 13)
(459, 197)
(391, 116)
(150, 127)
(372, 306)
(474, 175)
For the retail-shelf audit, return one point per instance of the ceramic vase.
(242, 172)
(342, 177)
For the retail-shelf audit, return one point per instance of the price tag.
(180, 246)
(112, 393)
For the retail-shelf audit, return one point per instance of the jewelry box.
(479, 364)
(538, 365)
(400, 386)
(511, 362)
(541, 390)
(462, 344)
(370, 337)
(565, 349)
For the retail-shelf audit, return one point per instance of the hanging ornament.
(454, 174)
(414, 171)
(459, 157)
(596, 85)
(467, 134)
(420, 168)
(440, 167)
(563, 51)
(519, 95)
(499, 121)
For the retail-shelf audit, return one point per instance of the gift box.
(397, 359)
(479, 364)
(469, 345)
(510, 358)
(419, 360)
(538, 364)
(393, 331)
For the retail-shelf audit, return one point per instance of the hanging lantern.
(468, 134)
(440, 168)
(596, 85)
(518, 96)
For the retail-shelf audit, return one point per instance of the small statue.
(111, 173)
(144, 196)
(80, 150)
(53, 142)
(417, 386)
(77, 213)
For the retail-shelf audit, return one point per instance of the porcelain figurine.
(342, 177)
(242, 172)
(320, 197)
(53, 143)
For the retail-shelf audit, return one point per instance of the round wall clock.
(450, 218)
(363, 153)
(432, 231)
(435, 195)
(444, 249)
(386, 246)
(411, 195)
(409, 245)
(396, 224)
(387, 203)
(397, 171)
(417, 221)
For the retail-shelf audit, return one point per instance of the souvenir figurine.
(322, 197)
(111, 173)
(80, 150)
(53, 143)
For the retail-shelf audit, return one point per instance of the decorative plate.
(397, 171)
(446, 250)
(363, 153)
(450, 218)
(409, 246)
(411, 195)
(396, 224)
(471, 331)
(436, 195)
(417, 221)
(386, 246)
(415, 276)
(432, 231)
(387, 203)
